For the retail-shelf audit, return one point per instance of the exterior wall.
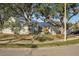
(12, 19)
(21, 32)
(62, 30)
(7, 31)
(51, 31)
(24, 30)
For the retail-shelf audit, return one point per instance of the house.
(49, 26)
(24, 30)
(53, 31)
(74, 29)
(61, 30)
(12, 19)
(7, 31)
(22, 27)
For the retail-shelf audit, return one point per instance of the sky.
(74, 19)
(41, 18)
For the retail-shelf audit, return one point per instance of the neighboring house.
(12, 19)
(69, 31)
(74, 29)
(7, 31)
(23, 27)
(61, 30)
(52, 28)
(49, 31)
(24, 30)
(54, 31)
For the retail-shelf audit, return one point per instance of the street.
(71, 50)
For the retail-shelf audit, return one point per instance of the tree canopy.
(26, 10)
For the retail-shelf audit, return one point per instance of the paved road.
(72, 50)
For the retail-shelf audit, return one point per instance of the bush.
(49, 37)
(44, 38)
(41, 39)
(34, 46)
(59, 36)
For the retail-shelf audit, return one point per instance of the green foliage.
(75, 27)
(42, 39)
(51, 9)
(19, 9)
(25, 10)
(72, 5)
(45, 38)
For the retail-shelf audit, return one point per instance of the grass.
(47, 37)
(15, 45)
(5, 36)
(57, 36)
(63, 43)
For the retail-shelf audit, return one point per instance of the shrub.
(41, 39)
(44, 38)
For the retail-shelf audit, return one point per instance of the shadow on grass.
(34, 46)
(18, 46)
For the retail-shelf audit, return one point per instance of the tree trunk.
(26, 17)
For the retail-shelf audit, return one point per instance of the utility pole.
(65, 20)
